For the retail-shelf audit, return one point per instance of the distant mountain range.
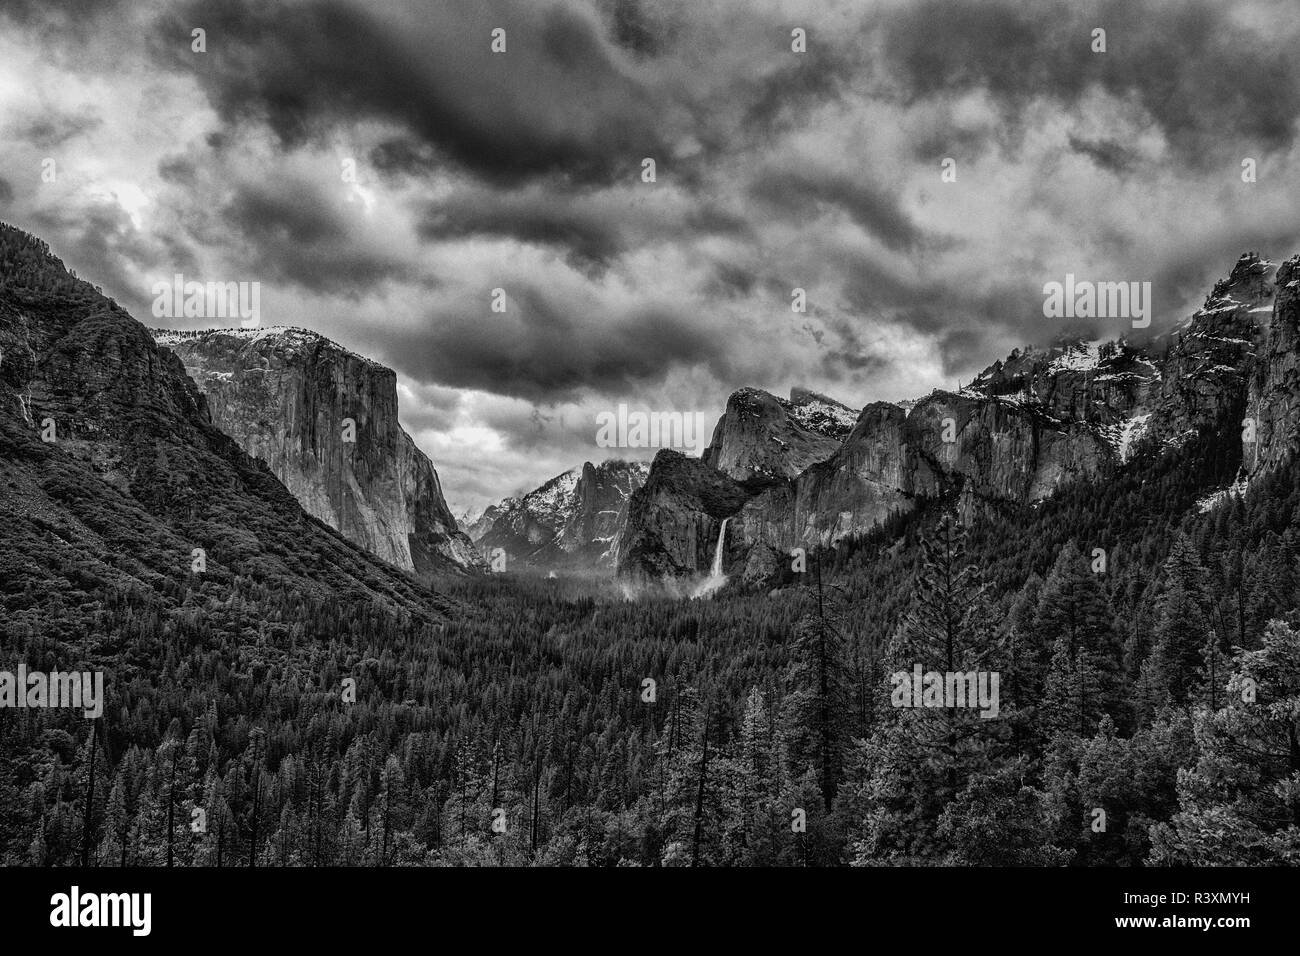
(1023, 429)
(784, 473)
(577, 519)
(572, 521)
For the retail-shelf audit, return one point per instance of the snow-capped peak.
(821, 414)
(287, 338)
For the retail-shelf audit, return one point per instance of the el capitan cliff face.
(285, 395)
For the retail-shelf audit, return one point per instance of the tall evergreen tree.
(1240, 804)
(1075, 618)
(821, 698)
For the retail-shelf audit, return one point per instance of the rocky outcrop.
(674, 519)
(761, 438)
(477, 526)
(325, 421)
(572, 521)
(1271, 422)
(1210, 361)
(1026, 427)
(599, 507)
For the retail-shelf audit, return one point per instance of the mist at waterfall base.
(716, 578)
(679, 588)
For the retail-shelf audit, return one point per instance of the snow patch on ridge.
(1081, 357)
(554, 496)
(1215, 498)
(1130, 432)
(821, 414)
(292, 339)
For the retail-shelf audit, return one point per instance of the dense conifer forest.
(1148, 705)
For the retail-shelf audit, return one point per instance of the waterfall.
(716, 578)
(716, 570)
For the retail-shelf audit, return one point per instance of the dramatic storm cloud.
(388, 178)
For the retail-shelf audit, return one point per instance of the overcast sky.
(775, 169)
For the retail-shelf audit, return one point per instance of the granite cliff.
(572, 521)
(1022, 430)
(325, 421)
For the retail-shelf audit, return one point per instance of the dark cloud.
(63, 13)
(635, 27)
(81, 36)
(179, 170)
(848, 359)
(24, 11)
(1106, 153)
(732, 280)
(403, 155)
(708, 217)
(871, 286)
(433, 407)
(291, 212)
(291, 230)
(936, 143)
(856, 367)
(1172, 57)
(781, 98)
(587, 228)
(6, 191)
(557, 102)
(547, 350)
(53, 128)
(877, 211)
(538, 218)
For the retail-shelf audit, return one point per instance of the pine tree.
(820, 700)
(949, 629)
(1240, 804)
(1074, 615)
(391, 805)
(999, 820)
(1026, 659)
(761, 779)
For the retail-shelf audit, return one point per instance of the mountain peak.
(570, 520)
(761, 437)
(288, 338)
(821, 413)
(1247, 283)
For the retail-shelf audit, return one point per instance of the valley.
(346, 682)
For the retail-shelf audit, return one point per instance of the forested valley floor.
(1148, 705)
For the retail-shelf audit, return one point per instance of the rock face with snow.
(1208, 367)
(1022, 430)
(572, 521)
(760, 436)
(325, 421)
